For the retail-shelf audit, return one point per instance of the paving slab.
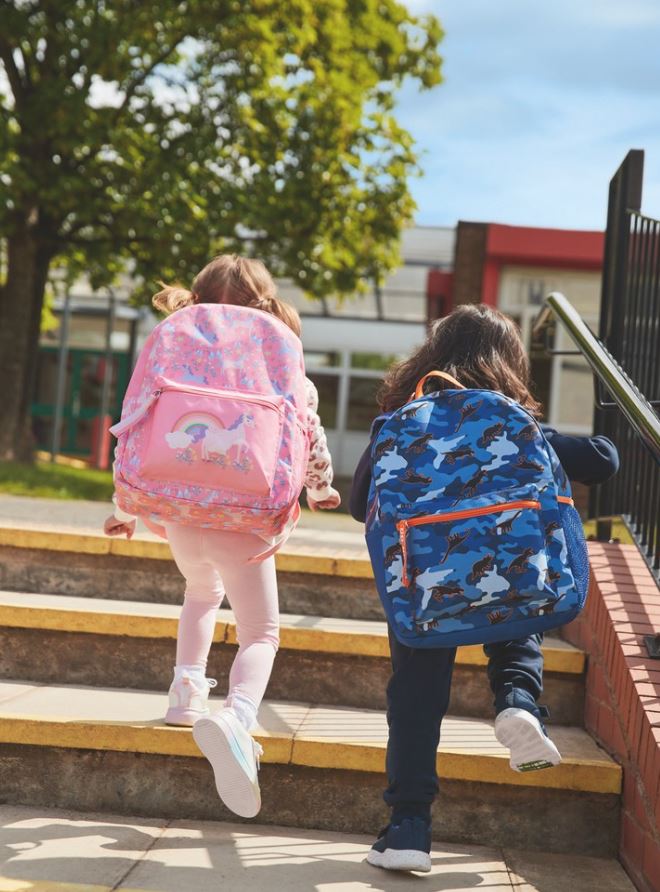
(52, 851)
(55, 850)
(44, 850)
(542, 872)
(74, 513)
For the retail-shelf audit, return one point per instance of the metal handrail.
(634, 405)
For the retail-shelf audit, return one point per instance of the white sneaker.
(530, 747)
(188, 698)
(234, 756)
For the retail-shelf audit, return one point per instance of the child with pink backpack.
(218, 436)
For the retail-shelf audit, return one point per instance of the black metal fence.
(630, 329)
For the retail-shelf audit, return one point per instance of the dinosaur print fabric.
(470, 527)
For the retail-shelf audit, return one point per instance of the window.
(374, 361)
(320, 360)
(328, 388)
(362, 407)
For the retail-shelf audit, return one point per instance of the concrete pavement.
(46, 850)
(323, 532)
(76, 513)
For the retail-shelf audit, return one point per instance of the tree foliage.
(147, 135)
(160, 133)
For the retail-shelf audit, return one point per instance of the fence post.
(625, 196)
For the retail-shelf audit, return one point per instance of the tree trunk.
(20, 317)
(25, 435)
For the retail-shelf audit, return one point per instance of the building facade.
(514, 268)
(349, 344)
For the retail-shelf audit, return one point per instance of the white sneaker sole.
(530, 748)
(217, 741)
(400, 859)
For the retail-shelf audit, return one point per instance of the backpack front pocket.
(215, 439)
(479, 566)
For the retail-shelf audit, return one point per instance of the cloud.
(178, 440)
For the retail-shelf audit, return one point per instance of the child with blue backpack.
(472, 534)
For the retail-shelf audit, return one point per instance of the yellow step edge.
(288, 560)
(560, 658)
(95, 623)
(123, 737)
(619, 530)
(585, 775)
(11, 884)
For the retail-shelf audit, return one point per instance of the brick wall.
(469, 258)
(622, 708)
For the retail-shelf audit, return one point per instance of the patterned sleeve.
(119, 513)
(318, 479)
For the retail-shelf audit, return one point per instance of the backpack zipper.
(404, 525)
(135, 416)
(222, 394)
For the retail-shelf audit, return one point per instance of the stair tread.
(292, 733)
(298, 632)
(328, 553)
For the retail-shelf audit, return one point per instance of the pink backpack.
(213, 426)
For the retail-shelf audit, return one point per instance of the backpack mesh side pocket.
(578, 557)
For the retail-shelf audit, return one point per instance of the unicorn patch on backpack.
(203, 438)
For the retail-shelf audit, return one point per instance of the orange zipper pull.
(402, 527)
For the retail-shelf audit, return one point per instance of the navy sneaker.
(404, 846)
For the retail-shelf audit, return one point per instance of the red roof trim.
(524, 245)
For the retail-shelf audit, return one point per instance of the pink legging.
(215, 563)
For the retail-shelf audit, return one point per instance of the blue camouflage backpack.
(471, 527)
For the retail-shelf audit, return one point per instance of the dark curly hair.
(477, 345)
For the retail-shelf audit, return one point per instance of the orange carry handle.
(419, 390)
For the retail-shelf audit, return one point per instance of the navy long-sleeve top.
(587, 460)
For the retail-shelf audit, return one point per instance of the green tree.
(147, 135)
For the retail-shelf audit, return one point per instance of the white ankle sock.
(195, 672)
(244, 710)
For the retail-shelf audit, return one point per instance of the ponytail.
(172, 298)
(283, 311)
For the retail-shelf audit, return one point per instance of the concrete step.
(320, 573)
(321, 660)
(107, 749)
(46, 850)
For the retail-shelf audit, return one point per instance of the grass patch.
(46, 480)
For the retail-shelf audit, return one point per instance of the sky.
(539, 105)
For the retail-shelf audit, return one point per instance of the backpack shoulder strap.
(419, 390)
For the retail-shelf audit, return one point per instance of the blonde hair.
(230, 279)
